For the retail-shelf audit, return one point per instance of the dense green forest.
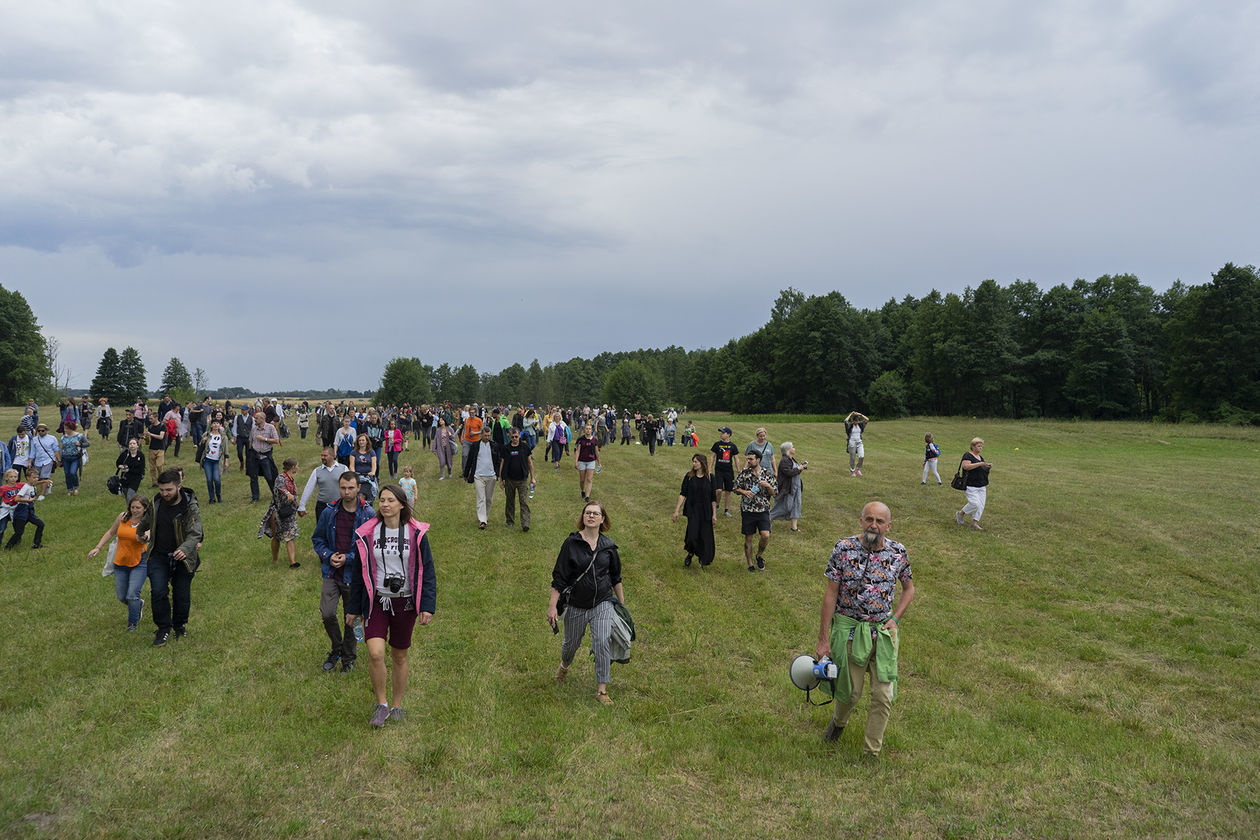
(1108, 349)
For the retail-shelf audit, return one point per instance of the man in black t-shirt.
(723, 467)
(516, 476)
(155, 432)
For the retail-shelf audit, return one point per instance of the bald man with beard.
(860, 620)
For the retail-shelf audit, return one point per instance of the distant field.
(1086, 667)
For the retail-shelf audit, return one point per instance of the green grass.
(1085, 667)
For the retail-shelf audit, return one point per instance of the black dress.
(699, 493)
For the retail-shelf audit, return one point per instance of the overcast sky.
(290, 194)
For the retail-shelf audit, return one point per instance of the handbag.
(562, 603)
(959, 481)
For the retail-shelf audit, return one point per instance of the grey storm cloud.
(600, 172)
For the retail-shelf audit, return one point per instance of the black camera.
(394, 583)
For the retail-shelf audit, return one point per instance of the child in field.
(8, 498)
(408, 484)
(21, 498)
(931, 452)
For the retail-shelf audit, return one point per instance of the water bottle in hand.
(358, 629)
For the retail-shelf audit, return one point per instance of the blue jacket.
(324, 541)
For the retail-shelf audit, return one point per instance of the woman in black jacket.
(588, 575)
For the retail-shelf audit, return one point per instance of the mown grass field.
(1085, 667)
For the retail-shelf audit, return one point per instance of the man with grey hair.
(859, 625)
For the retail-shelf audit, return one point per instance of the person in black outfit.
(172, 528)
(698, 500)
(588, 571)
(130, 465)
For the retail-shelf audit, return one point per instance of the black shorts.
(724, 480)
(750, 523)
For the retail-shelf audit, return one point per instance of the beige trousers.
(881, 701)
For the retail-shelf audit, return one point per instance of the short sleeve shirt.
(867, 578)
(725, 451)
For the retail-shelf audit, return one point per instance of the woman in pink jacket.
(396, 590)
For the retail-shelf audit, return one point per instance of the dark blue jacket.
(324, 540)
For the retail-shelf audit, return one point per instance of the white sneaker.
(958, 517)
(39, 498)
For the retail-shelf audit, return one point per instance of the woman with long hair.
(130, 567)
(363, 461)
(444, 445)
(698, 501)
(394, 439)
(588, 574)
(396, 591)
(586, 461)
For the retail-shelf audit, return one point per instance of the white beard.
(870, 539)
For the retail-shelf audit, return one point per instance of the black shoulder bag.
(959, 481)
(563, 602)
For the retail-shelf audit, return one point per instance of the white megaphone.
(807, 673)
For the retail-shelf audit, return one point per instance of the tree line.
(1111, 348)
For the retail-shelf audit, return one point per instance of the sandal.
(602, 696)
(295, 564)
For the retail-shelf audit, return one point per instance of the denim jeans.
(169, 579)
(72, 467)
(128, 581)
(213, 468)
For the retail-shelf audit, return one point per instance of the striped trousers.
(599, 618)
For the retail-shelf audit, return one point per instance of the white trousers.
(975, 502)
(931, 465)
(485, 494)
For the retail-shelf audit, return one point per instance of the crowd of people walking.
(376, 563)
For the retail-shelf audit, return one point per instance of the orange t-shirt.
(472, 428)
(129, 548)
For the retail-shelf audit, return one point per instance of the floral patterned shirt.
(866, 579)
(762, 499)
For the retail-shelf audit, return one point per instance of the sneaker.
(331, 661)
(441, 478)
(160, 638)
(481, 526)
(379, 716)
(561, 673)
(39, 499)
(727, 513)
(751, 567)
(975, 526)
(761, 563)
(923, 483)
(131, 628)
(180, 632)
(687, 560)
(852, 473)
(859, 473)
(347, 667)
(525, 529)
(958, 517)
(832, 732)
(396, 715)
